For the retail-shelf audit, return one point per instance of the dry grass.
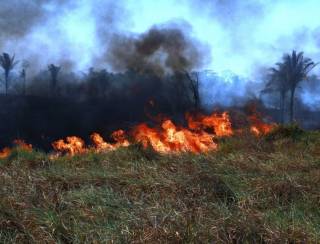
(253, 190)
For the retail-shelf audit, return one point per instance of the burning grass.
(166, 137)
(251, 189)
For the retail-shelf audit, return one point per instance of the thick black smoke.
(161, 50)
(18, 17)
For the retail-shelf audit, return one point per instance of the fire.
(99, 143)
(118, 136)
(171, 139)
(21, 144)
(72, 145)
(166, 138)
(5, 152)
(197, 137)
(220, 124)
(258, 127)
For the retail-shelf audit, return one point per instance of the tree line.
(8, 63)
(282, 79)
(174, 94)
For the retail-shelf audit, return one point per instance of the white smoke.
(244, 36)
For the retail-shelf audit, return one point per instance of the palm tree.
(54, 71)
(278, 83)
(296, 68)
(7, 63)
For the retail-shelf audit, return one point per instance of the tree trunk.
(24, 86)
(53, 86)
(196, 98)
(281, 108)
(6, 81)
(292, 104)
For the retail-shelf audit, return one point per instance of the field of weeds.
(252, 190)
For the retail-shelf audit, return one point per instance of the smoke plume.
(161, 50)
(243, 37)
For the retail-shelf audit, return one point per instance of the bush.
(292, 131)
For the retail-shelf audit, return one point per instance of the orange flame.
(21, 144)
(170, 139)
(5, 152)
(258, 127)
(119, 137)
(220, 124)
(197, 137)
(194, 139)
(99, 143)
(73, 145)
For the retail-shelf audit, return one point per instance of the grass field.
(252, 190)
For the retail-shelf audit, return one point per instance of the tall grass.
(252, 190)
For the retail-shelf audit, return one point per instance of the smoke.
(161, 50)
(255, 33)
(244, 37)
(68, 33)
(226, 89)
(12, 12)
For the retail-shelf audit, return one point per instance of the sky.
(244, 37)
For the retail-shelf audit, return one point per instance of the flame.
(118, 136)
(166, 138)
(171, 139)
(220, 124)
(72, 145)
(194, 139)
(21, 144)
(5, 152)
(258, 127)
(197, 137)
(99, 143)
